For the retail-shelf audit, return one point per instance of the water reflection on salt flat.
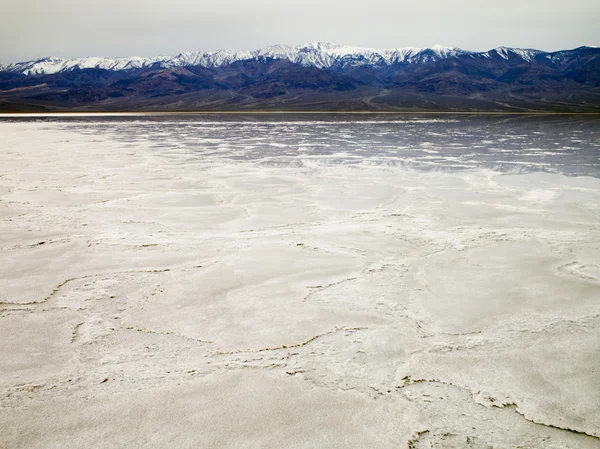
(506, 143)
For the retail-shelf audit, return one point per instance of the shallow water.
(506, 143)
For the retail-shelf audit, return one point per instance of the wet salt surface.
(568, 145)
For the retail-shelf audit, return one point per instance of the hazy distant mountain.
(319, 76)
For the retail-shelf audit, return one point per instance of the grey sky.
(72, 28)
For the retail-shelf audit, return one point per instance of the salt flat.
(152, 295)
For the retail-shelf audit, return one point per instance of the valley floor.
(150, 299)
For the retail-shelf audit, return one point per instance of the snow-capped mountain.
(319, 54)
(317, 76)
(50, 65)
(525, 54)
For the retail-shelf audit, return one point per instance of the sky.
(75, 28)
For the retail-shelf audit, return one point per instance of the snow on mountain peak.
(315, 54)
(442, 50)
(526, 54)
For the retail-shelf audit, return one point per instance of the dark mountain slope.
(501, 79)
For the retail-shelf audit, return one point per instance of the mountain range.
(320, 76)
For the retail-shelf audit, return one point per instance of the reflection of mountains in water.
(313, 78)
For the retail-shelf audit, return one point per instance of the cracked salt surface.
(159, 291)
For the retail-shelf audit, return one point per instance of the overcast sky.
(72, 28)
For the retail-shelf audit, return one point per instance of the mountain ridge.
(316, 54)
(314, 77)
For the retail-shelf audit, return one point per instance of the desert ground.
(151, 298)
